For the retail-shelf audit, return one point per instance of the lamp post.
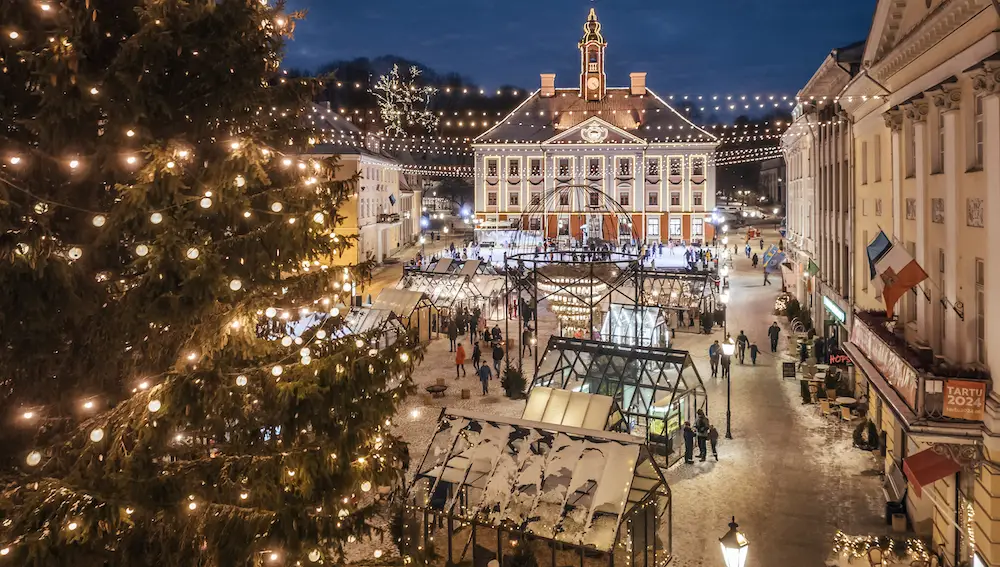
(724, 300)
(734, 546)
(728, 348)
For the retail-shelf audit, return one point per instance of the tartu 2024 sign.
(964, 400)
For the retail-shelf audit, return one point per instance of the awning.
(928, 466)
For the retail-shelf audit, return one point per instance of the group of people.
(705, 433)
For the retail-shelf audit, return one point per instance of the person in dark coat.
(688, 443)
(741, 343)
(714, 354)
(452, 335)
(773, 332)
(713, 439)
(701, 427)
(753, 353)
(484, 377)
(497, 357)
(497, 334)
(761, 243)
(725, 366)
(477, 355)
(755, 260)
(526, 340)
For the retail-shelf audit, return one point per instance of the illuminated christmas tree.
(173, 359)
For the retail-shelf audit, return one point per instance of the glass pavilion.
(657, 389)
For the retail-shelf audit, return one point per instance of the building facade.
(595, 162)
(773, 180)
(925, 113)
(818, 152)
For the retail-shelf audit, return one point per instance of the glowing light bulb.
(141, 250)
(154, 406)
(404, 357)
(143, 385)
(192, 505)
(273, 557)
(33, 458)
(318, 218)
(28, 415)
(321, 334)
(129, 511)
(74, 163)
(378, 553)
(75, 253)
(314, 555)
(277, 370)
(291, 473)
(359, 343)
(88, 405)
(93, 90)
(235, 285)
(99, 220)
(192, 253)
(241, 380)
(244, 496)
(306, 360)
(366, 486)
(170, 165)
(14, 35)
(276, 207)
(96, 435)
(72, 526)
(270, 312)
(240, 181)
(130, 133)
(14, 160)
(335, 312)
(205, 203)
(235, 145)
(156, 218)
(130, 160)
(286, 162)
(286, 341)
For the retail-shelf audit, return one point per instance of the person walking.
(452, 335)
(761, 243)
(741, 343)
(766, 276)
(755, 260)
(484, 377)
(525, 340)
(713, 439)
(689, 436)
(753, 353)
(701, 426)
(497, 356)
(477, 355)
(714, 355)
(725, 366)
(772, 332)
(748, 250)
(459, 360)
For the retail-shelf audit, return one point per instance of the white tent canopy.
(557, 482)
(401, 302)
(564, 407)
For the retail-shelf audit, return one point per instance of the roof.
(552, 481)
(563, 407)
(444, 288)
(642, 380)
(648, 117)
(402, 302)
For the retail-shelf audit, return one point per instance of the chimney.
(638, 83)
(548, 84)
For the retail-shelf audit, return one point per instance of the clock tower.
(593, 83)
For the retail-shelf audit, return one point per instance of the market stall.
(451, 291)
(657, 389)
(493, 488)
(412, 309)
(631, 325)
(576, 409)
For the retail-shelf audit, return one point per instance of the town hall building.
(595, 162)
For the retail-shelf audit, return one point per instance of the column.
(894, 121)
(957, 345)
(916, 112)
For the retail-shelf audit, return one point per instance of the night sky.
(701, 47)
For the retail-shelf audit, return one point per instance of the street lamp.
(724, 300)
(734, 546)
(728, 348)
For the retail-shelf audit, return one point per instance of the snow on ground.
(789, 475)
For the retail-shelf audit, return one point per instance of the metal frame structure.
(450, 291)
(586, 280)
(645, 382)
(669, 289)
(502, 483)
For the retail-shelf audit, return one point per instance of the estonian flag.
(896, 271)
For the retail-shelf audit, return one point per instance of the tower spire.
(592, 29)
(592, 78)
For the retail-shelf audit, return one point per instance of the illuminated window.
(491, 168)
(675, 198)
(675, 227)
(563, 167)
(594, 167)
(652, 227)
(697, 226)
(536, 167)
(675, 167)
(624, 167)
(491, 199)
(654, 199)
(653, 167)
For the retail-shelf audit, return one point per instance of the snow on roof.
(553, 481)
(563, 407)
(445, 288)
(402, 302)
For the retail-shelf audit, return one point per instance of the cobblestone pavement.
(789, 475)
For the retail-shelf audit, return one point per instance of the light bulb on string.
(192, 253)
(96, 435)
(156, 218)
(75, 253)
(33, 458)
(319, 218)
(240, 181)
(205, 203)
(286, 341)
(154, 406)
(141, 250)
(270, 312)
(235, 285)
(277, 370)
(99, 220)
(241, 380)
(276, 207)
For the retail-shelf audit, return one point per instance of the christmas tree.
(173, 358)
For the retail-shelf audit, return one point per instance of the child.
(713, 439)
(753, 352)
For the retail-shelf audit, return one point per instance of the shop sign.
(834, 309)
(964, 399)
(839, 358)
(890, 365)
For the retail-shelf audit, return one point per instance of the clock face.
(593, 83)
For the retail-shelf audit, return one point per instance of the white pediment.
(594, 131)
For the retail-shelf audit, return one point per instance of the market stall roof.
(401, 302)
(553, 481)
(639, 378)
(445, 288)
(563, 407)
(442, 266)
(679, 289)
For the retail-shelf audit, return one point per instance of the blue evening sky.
(701, 47)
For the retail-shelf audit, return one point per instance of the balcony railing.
(933, 391)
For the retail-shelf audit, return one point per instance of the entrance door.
(593, 228)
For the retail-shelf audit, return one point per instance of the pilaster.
(986, 82)
(894, 121)
(916, 111)
(957, 347)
